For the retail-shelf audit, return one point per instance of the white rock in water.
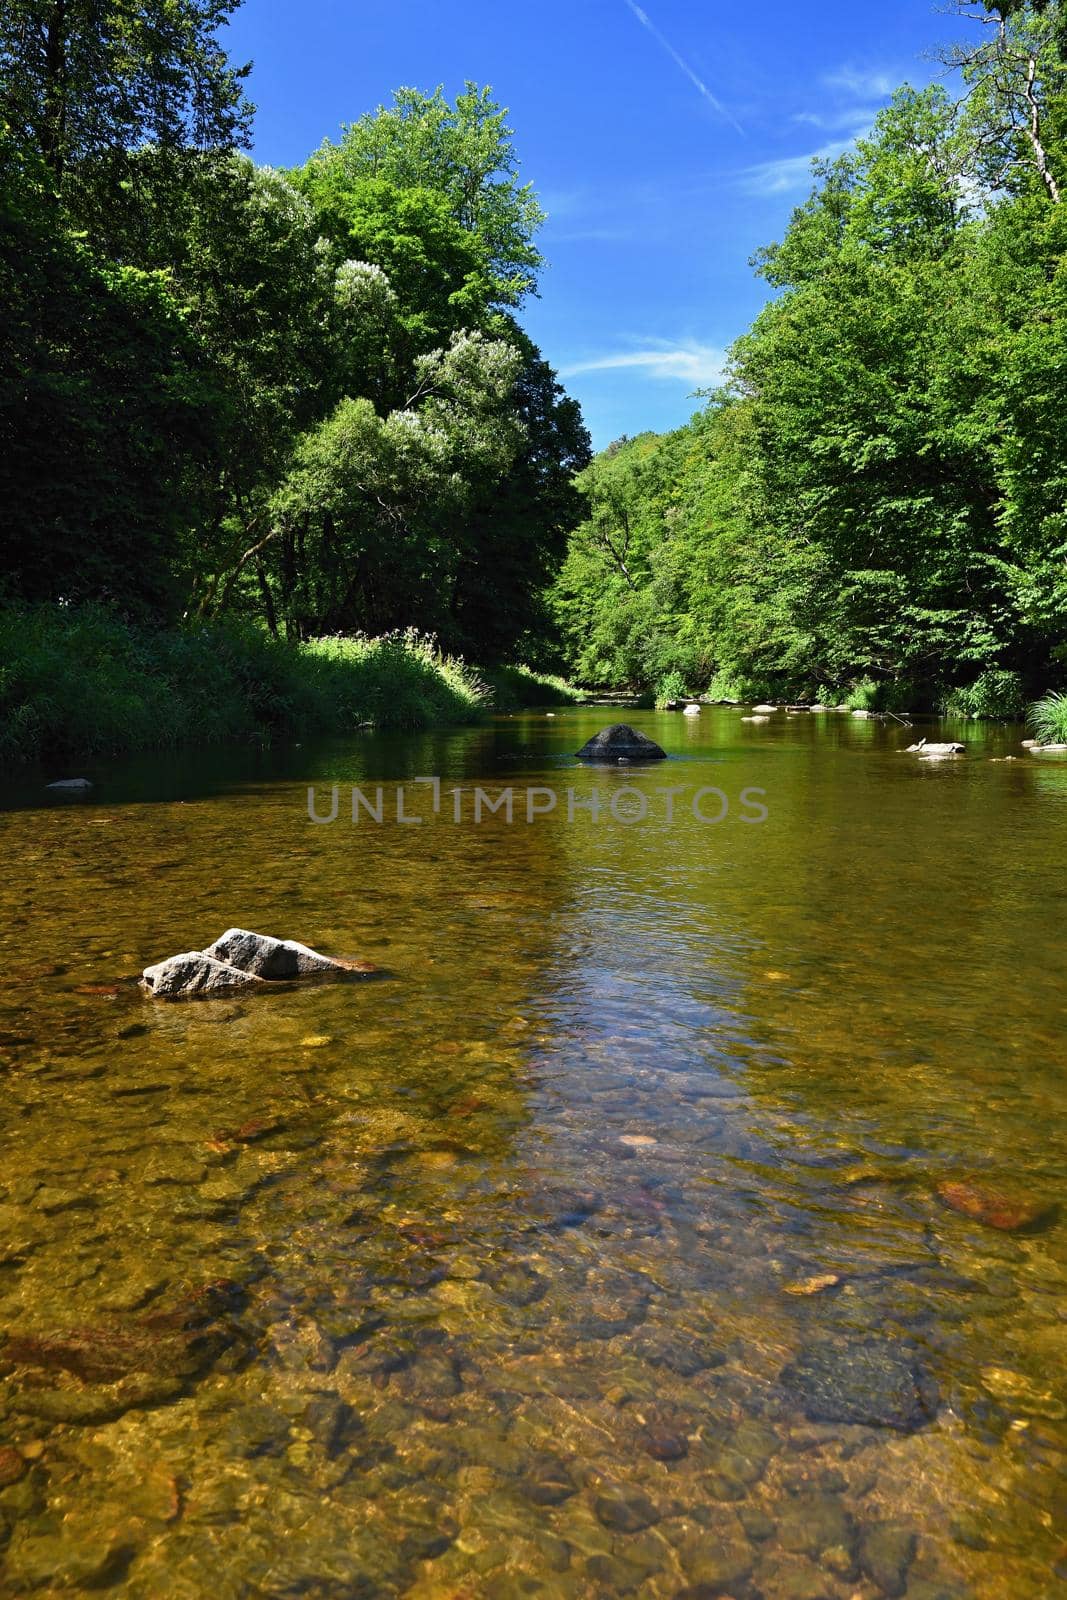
(759, 718)
(194, 973)
(265, 957)
(691, 711)
(864, 714)
(924, 749)
(72, 785)
(764, 711)
(1031, 744)
(818, 706)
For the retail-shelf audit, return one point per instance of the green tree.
(84, 82)
(108, 420)
(463, 152)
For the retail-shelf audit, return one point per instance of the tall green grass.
(1048, 718)
(81, 680)
(669, 688)
(514, 688)
(996, 693)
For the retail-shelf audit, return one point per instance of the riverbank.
(84, 681)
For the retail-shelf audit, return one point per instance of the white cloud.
(790, 174)
(699, 365)
(861, 84)
(850, 119)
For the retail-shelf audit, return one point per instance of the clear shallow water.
(507, 1274)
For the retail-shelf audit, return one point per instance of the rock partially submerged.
(923, 748)
(195, 973)
(764, 711)
(241, 959)
(620, 742)
(691, 711)
(71, 785)
(278, 959)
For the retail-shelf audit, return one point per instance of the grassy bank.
(514, 688)
(82, 681)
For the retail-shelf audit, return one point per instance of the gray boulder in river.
(265, 957)
(924, 749)
(620, 742)
(195, 973)
(240, 959)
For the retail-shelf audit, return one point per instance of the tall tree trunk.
(54, 130)
(268, 599)
(1033, 133)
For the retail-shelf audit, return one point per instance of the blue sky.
(667, 141)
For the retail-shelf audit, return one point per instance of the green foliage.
(877, 504)
(464, 153)
(862, 696)
(515, 688)
(107, 412)
(1048, 718)
(997, 694)
(302, 399)
(670, 688)
(85, 82)
(79, 679)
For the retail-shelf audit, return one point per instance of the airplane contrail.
(698, 83)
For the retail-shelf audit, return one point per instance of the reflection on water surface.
(596, 1251)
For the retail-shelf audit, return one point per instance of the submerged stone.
(684, 1356)
(1010, 1213)
(663, 1445)
(620, 742)
(878, 1383)
(547, 1481)
(624, 1510)
(886, 1553)
(813, 1523)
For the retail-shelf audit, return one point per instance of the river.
(605, 1242)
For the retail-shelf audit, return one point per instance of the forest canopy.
(303, 396)
(305, 400)
(878, 495)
